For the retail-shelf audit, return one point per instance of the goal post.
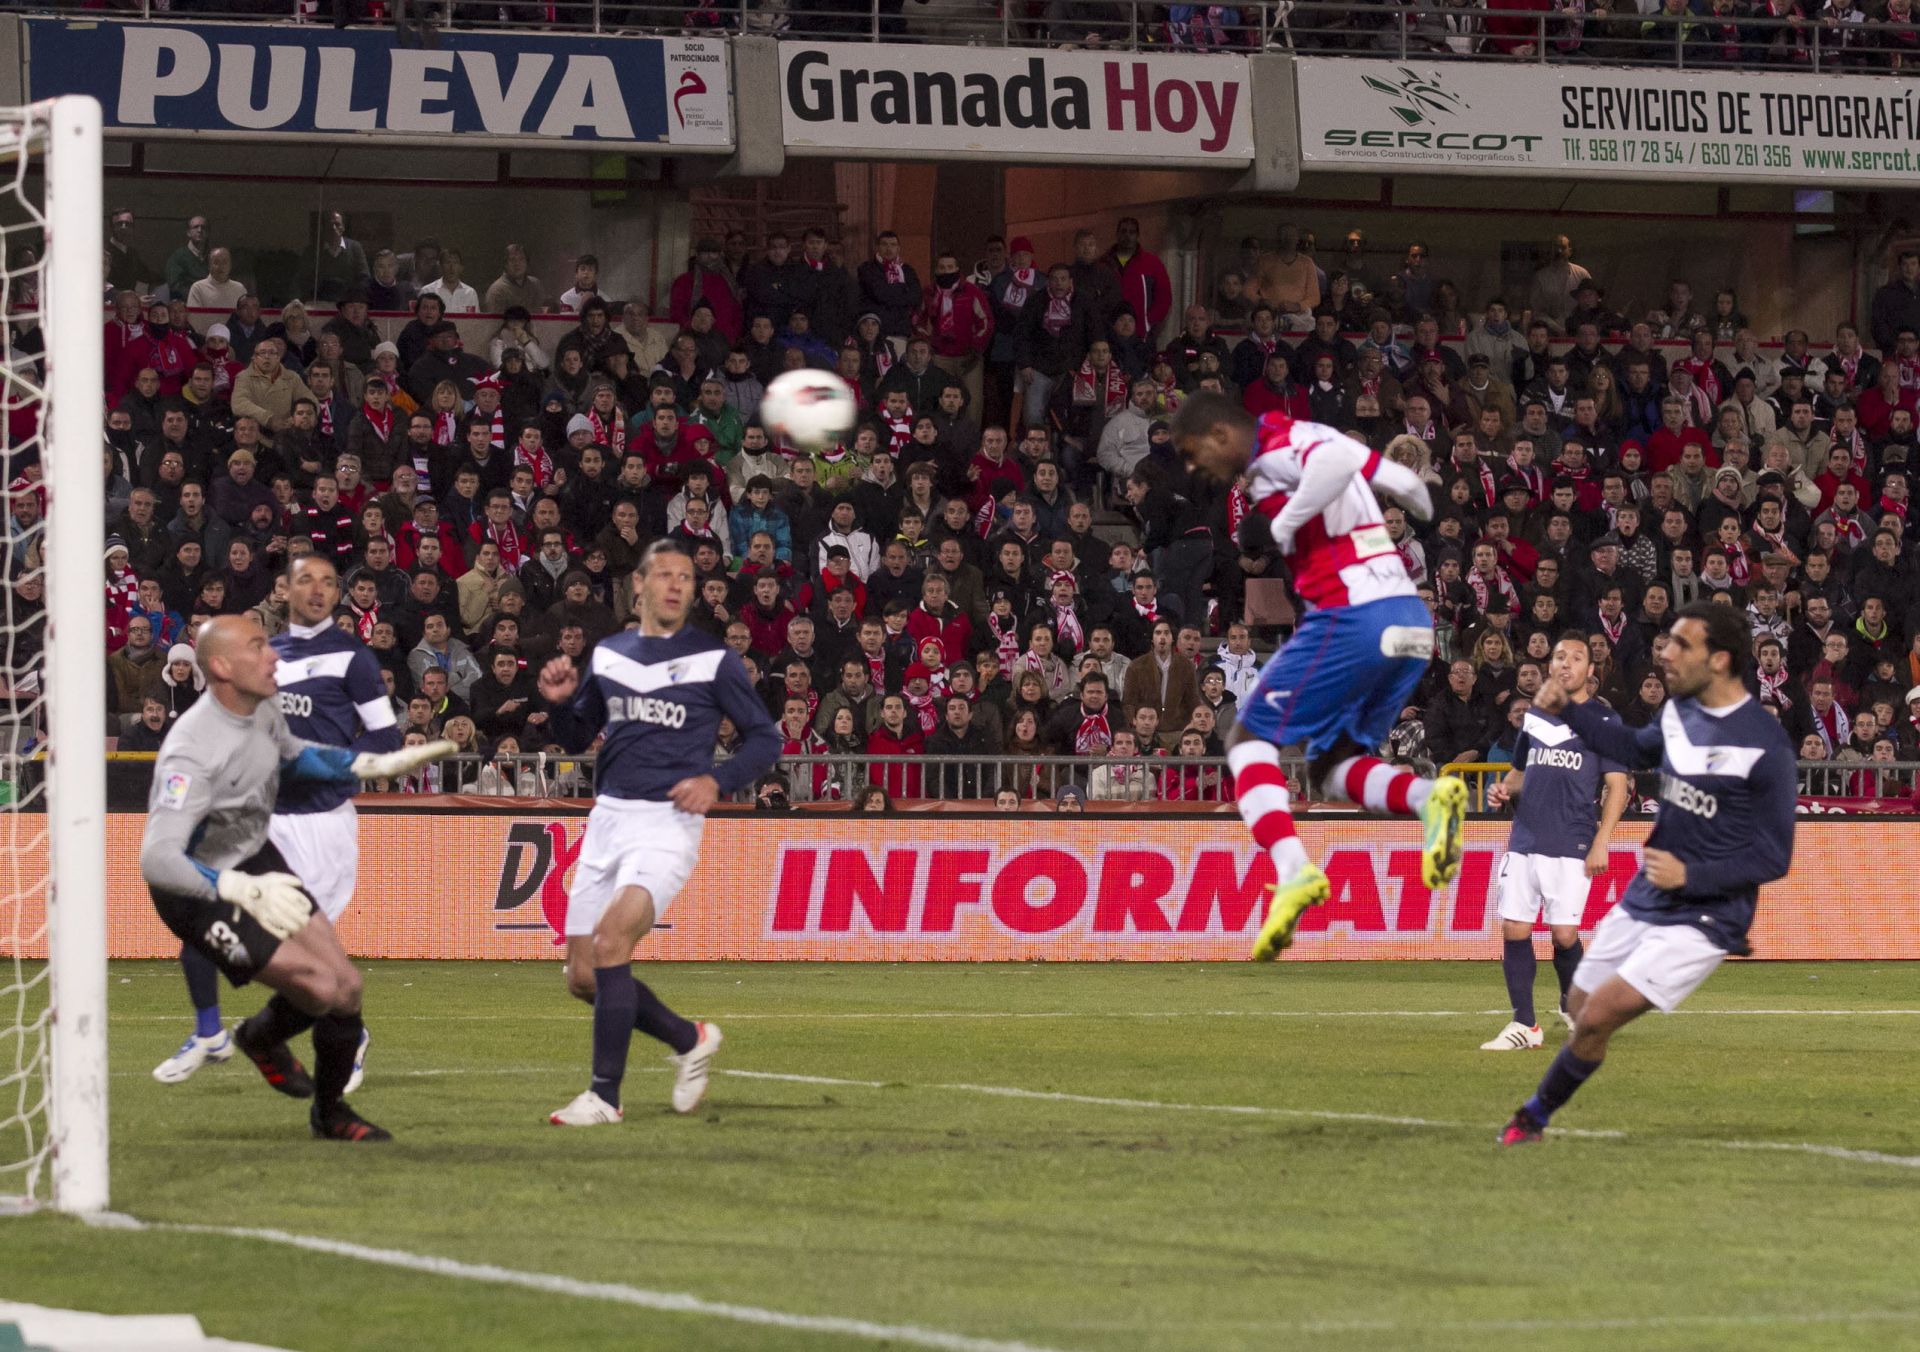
(75, 661)
(53, 622)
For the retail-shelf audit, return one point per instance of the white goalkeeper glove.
(274, 899)
(399, 764)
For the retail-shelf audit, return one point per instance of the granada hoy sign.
(893, 101)
(1463, 117)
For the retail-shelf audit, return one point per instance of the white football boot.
(690, 1086)
(194, 1053)
(1515, 1037)
(588, 1109)
(359, 1062)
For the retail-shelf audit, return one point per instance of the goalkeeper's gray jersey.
(214, 784)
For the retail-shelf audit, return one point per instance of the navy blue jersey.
(331, 692)
(1557, 811)
(1727, 797)
(660, 702)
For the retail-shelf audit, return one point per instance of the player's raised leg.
(209, 1040)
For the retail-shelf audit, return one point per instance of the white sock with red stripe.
(1265, 805)
(1371, 783)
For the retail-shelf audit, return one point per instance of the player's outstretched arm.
(1635, 748)
(759, 736)
(1404, 487)
(574, 714)
(399, 764)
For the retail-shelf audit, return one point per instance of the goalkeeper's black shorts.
(234, 941)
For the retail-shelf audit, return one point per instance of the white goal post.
(53, 1037)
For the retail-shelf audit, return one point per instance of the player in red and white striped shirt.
(1352, 664)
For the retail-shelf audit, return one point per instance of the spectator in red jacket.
(708, 280)
(1276, 392)
(126, 325)
(1665, 445)
(937, 617)
(1144, 283)
(169, 351)
(957, 318)
(896, 735)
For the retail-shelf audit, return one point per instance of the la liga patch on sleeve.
(173, 793)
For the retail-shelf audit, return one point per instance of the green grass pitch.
(1218, 1200)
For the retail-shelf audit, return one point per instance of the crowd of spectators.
(1007, 558)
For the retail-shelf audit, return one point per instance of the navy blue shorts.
(1347, 672)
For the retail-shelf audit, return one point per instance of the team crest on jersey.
(675, 672)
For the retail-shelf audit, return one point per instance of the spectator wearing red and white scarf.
(497, 526)
(889, 286)
(957, 318)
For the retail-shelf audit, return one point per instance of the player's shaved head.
(238, 661)
(219, 639)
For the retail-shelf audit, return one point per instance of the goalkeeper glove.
(398, 764)
(274, 899)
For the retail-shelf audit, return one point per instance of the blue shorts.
(1341, 675)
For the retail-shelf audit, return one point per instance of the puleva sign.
(1064, 105)
(294, 81)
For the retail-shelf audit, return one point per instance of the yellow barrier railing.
(1480, 776)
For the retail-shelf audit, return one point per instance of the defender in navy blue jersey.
(1555, 846)
(657, 694)
(1725, 826)
(330, 692)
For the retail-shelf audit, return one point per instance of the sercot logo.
(1420, 102)
(1416, 98)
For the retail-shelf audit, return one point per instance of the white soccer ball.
(809, 410)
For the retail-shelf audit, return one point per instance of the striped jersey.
(1343, 557)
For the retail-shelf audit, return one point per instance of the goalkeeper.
(219, 883)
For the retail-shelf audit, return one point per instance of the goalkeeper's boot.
(1444, 816)
(359, 1062)
(277, 1065)
(588, 1109)
(1515, 1037)
(194, 1053)
(1308, 887)
(690, 1085)
(1522, 1129)
(342, 1123)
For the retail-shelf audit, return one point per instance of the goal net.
(52, 663)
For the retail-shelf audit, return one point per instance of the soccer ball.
(809, 410)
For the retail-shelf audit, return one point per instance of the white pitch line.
(1603, 1323)
(980, 1015)
(669, 1302)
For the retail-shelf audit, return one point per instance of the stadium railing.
(1894, 785)
(1308, 27)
